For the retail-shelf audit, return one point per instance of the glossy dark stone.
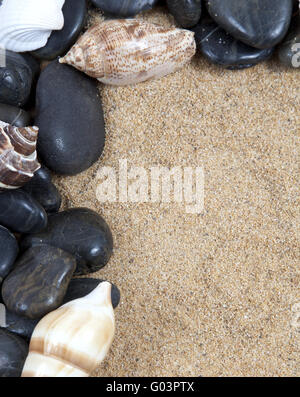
(186, 12)
(39, 281)
(80, 287)
(14, 116)
(13, 352)
(70, 118)
(289, 49)
(80, 231)
(43, 190)
(19, 325)
(16, 78)
(61, 40)
(222, 49)
(8, 252)
(124, 8)
(261, 24)
(21, 213)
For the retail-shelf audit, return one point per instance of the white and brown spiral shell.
(18, 158)
(129, 51)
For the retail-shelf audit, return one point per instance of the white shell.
(73, 339)
(27, 24)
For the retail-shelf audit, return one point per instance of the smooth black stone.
(70, 118)
(186, 12)
(41, 188)
(289, 49)
(14, 116)
(21, 213)
(124, 8)
(61, 40)
(80, 287)
(9, 250)
(13, 353)
(80, 231)
(222, 49)
(39, 281)
(20, 325)
(16, 78)
(260, 24)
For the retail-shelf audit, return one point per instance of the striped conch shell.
(18, 158)
(72, 340)
(129, 51)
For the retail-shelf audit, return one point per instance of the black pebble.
(186, 12)
(8, 252)
(13, 353)
(14, 116)
(124, 8)
(80, 287)
(70, 118)
(39, 281)
(80, 231)
(43, 190)
(222, 49)
(21, 213)
(61, 40)
(19, 325)
(260, 24)
(16, 78)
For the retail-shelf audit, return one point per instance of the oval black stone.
(13, 353)
(8, 252)
(222, 49)
(70, 118)
(19, 325)
(80, 231)
(43, 190)
(14, 116)
(21, 213)
(39, 281)
(124, 8)
(80, 287)
(61, 40)
(16, 78)
(289, 49)
(186, 12)
(260, 24)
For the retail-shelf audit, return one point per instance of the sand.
(216, 293)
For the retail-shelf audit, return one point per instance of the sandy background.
(211, 294)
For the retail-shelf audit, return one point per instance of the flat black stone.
(14, 115)
(261, 24)
(70, 118)
(288, 50)
(16, 78)
(21, 213)
(124, 8)
(43, 190)
(61, 40)
(222, 49)
(19, 325)
(80, 231)
(80, 287)
(13, 353)
(186, 12)
(9, 250)
(39, 281)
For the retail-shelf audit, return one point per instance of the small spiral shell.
(72, 340)
(18, 158)
(129, 51)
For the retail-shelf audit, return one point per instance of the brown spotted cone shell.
(18, 158)
(129, 51)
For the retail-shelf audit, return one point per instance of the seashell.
(72, 340)
(129, 51)
(18, 158)
(27, 25)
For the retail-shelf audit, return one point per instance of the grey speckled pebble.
(289, 49)
(39, 281)
(13, 352)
